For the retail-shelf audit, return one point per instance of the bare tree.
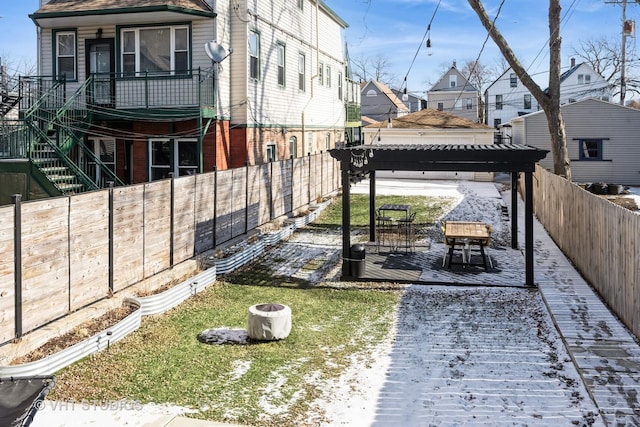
(376, 67)
(605, 57)
(549, 100)
(478, 75)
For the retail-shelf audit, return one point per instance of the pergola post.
(346, 221)
(514, 210)
(528, 228)
(372, 206)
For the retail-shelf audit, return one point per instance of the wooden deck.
(424, 266)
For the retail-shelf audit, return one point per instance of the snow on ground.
(456, 355)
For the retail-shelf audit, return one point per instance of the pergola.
(514, 159)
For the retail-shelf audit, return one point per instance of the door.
(100, 64)
(105, 150)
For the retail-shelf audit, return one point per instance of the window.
(321, 73)
(272, 155)
(496, 123)
(155, 50)
(513, 80)
(498, 102)
(160, 156)
(178, 157)
(340, 86)
(371, 93)
(327, 77)
(327, 141)
(453, 80)
(527, 101)
(301, 4)
(105, 150)
(254, 55)
(281, 64)
(580, 79)
(590, 149)
(440, 106)
(66, 55)
(301, 72)
(469, 103)
(293, 146)
(587, 79)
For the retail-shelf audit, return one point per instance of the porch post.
(528, 227)
(346, 223)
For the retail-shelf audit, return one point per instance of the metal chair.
(384, 225)
(406, 231)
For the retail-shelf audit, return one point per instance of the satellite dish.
(216, 52)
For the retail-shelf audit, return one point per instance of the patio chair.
(384, 225)
(406, 231)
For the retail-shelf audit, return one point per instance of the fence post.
(215, 205)
(246, 198)
(309, 194)
(514, 209)
(171, 218)
(17, 251)
(111, 245)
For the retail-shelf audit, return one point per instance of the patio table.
(466, 233)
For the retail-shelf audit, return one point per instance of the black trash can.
(357, 260)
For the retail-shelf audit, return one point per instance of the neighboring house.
(430, 126)
(603, 140)
(507, 97)
(412, 101)
(454, 94)
(378, 102)
(133, 95)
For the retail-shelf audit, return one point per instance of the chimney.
(454, 63)
(573, 62)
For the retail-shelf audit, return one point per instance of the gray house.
(379, 103)
(603, 140)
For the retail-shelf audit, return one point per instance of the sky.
(396, 29)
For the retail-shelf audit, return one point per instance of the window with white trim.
(272, 154)
(498, 102)
(321, 73)
(281, 63)
(513, 80)
(527, 101)
(469, 103)
(172, 156)
(66, 55)
(293, 146)
(340, 86)
(327, 77)
(453, 80)
(301, 4)
(254, 55)
(302, 61)
(162, 50)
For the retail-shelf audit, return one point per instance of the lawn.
(272, 383)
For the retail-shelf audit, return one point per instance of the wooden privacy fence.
(599, 237)
(61, 254)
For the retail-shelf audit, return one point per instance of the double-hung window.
(498, 102)
(301, 72)
(156, 50)
(340, 86)
(527, 101)
(254, 55)
(513, 80)
(327, 76)
(281, 64)
(66, 54)
(321, 74)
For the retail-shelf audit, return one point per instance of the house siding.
(618, 126)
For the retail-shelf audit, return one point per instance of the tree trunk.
(549, 101)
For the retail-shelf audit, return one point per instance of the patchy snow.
(455, 356)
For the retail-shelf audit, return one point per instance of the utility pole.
(623, 67)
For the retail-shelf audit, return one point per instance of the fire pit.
(268, 322)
